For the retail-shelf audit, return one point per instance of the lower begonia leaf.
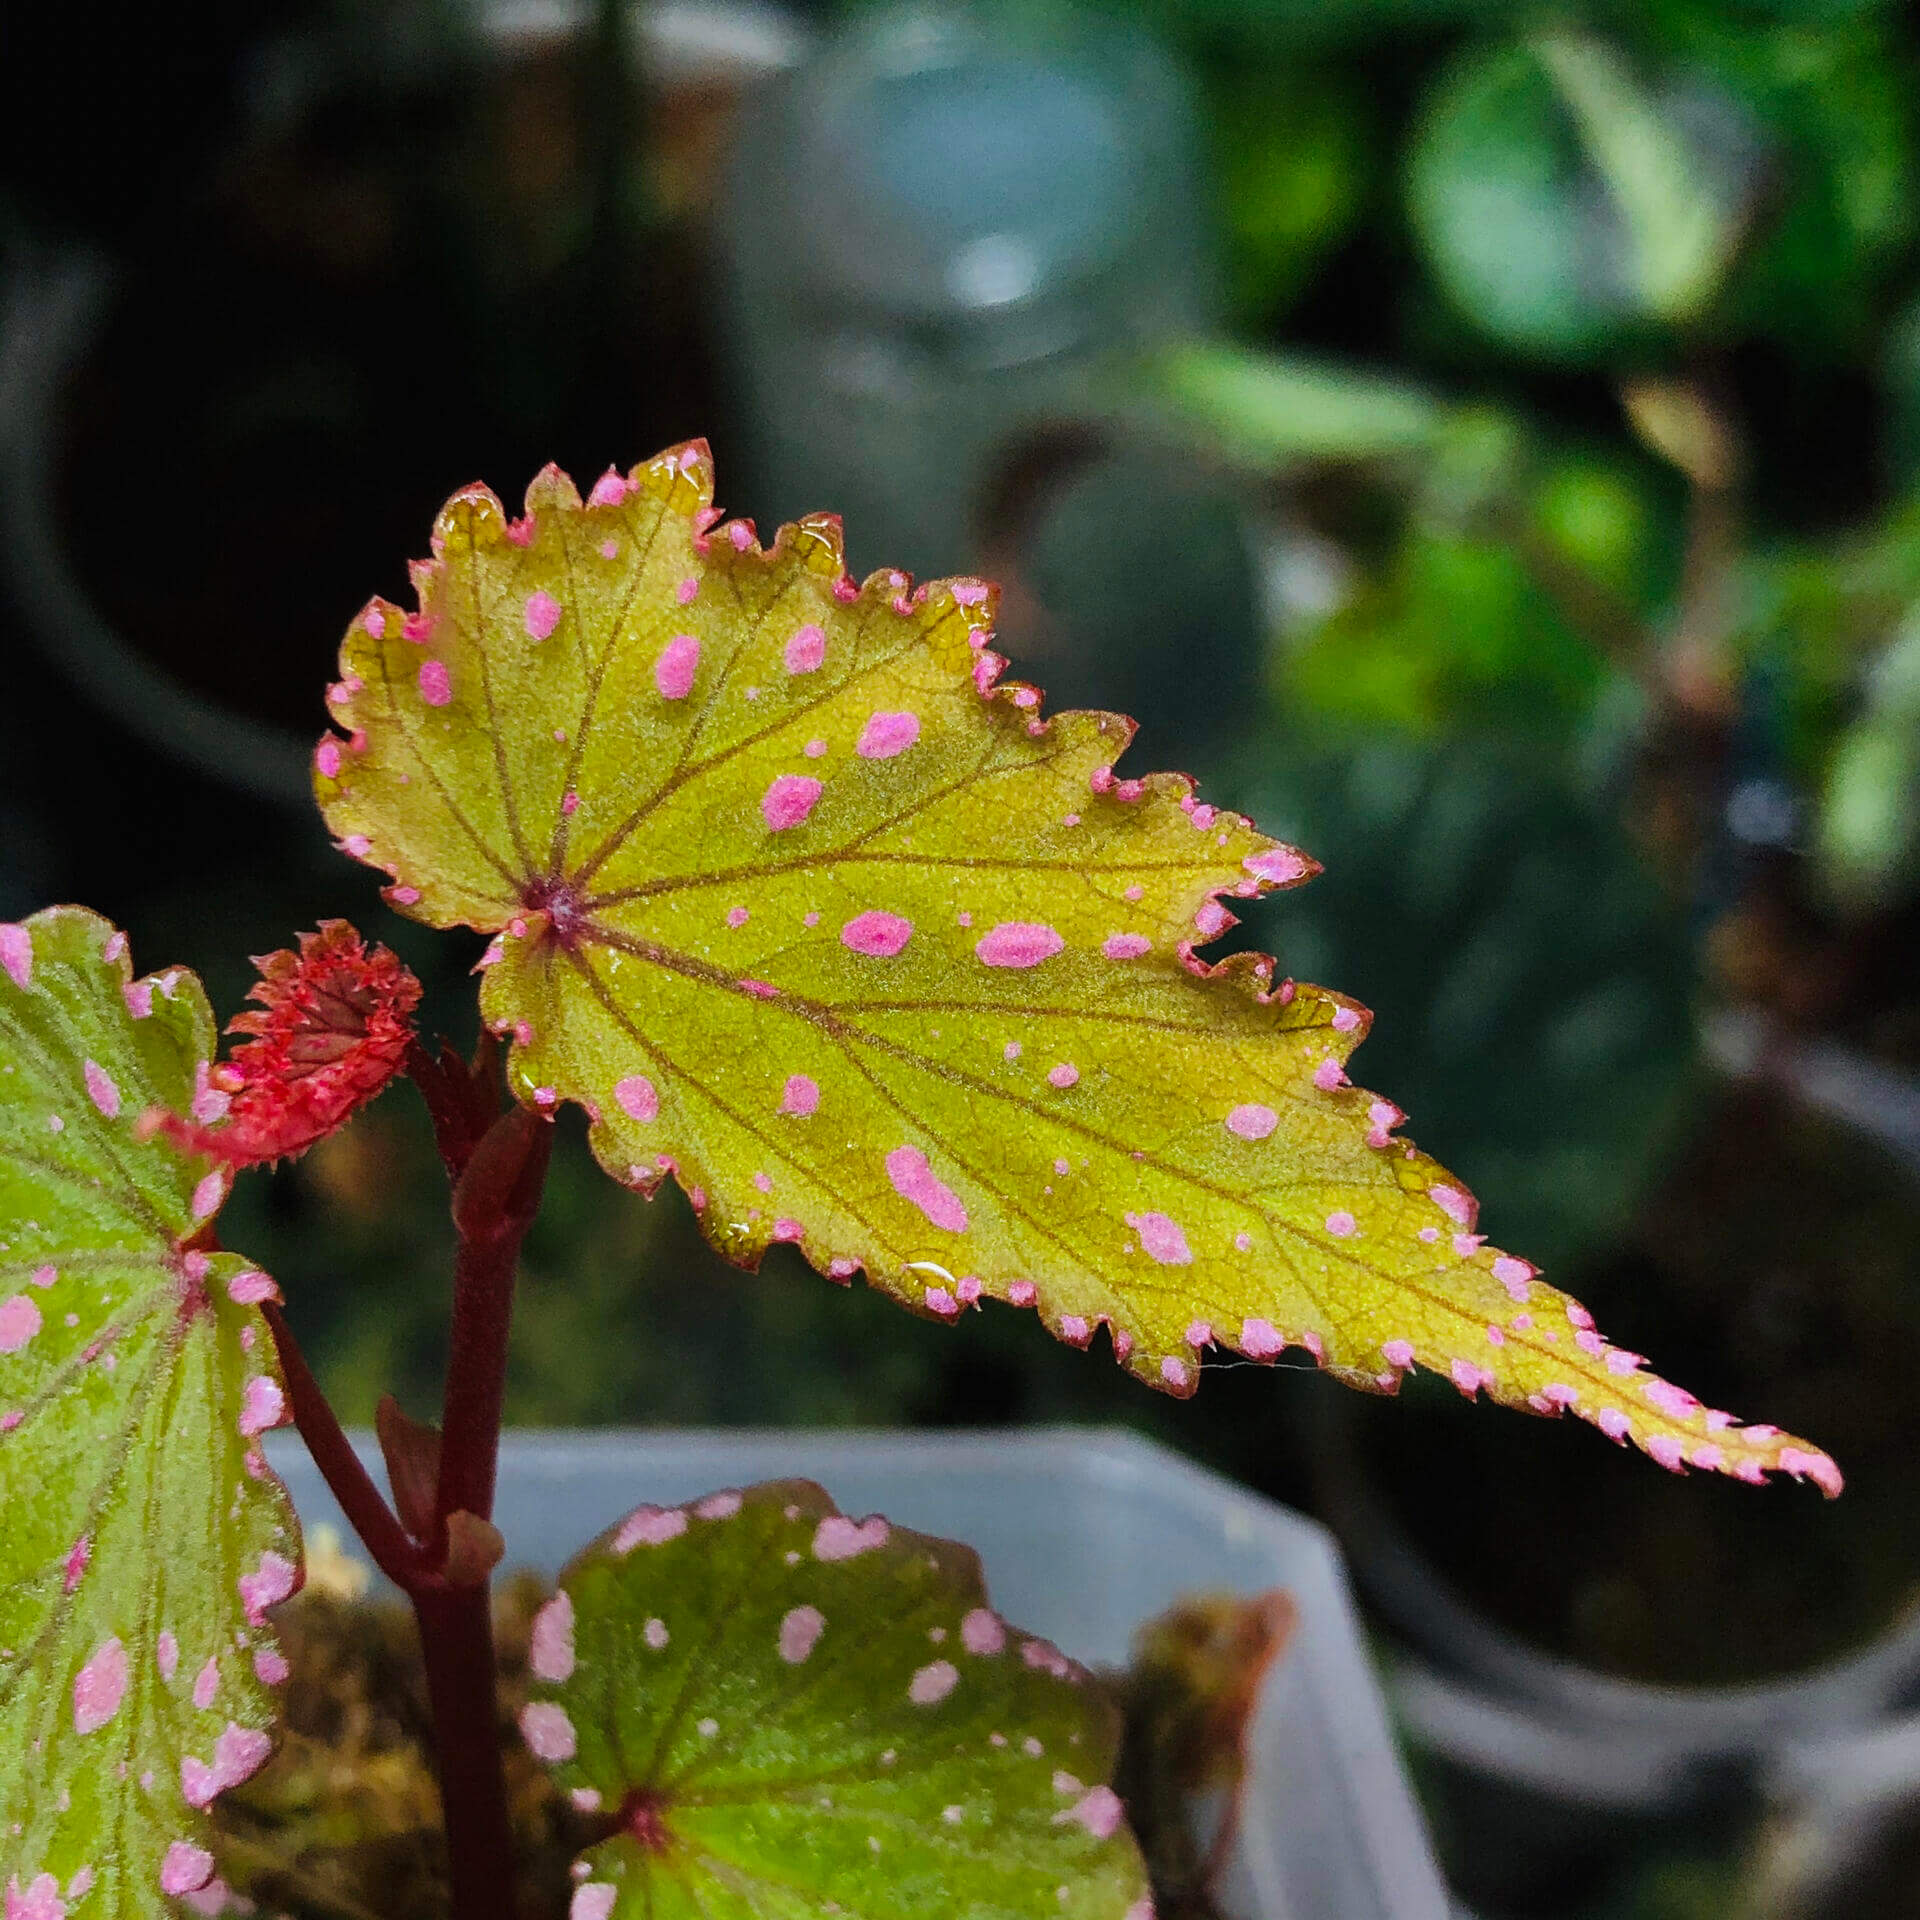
(808, 908)
(781, 1711)
(142, 1537)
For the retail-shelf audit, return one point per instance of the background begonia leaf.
(782, 1711)
(141, 1534)
(805, 907)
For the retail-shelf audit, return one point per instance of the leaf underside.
(141, 1535)
(809, 908)
(782, 1712)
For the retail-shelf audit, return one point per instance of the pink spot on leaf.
(914, 1180)
(800, 1632)
(262, 1407)
(1018, 943)
(550, 1651)
(982, 1633)
(19, 1322)
(932, 1683)
(16, 953)
(880, 935)
(838, 1538)
(800, 1095)
(99, 1687)
(788, 801)
(542, 615)
(1252, 1121)
(1063, 1076)
(1803, 1462)
(1162, 1238)
(1281, 866)
(436, 684)
(1100, 1813)
(679, 661)
(1125, 946)
(1260, 1339)
(1513, 1275)
(547, 1731)
(887, 734)
(806, 650)
(266, 1587)
(649, 1527)
(185, 1869)
(636, 1097)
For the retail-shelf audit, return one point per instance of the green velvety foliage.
(141, 1535)
(808, 909)
(781, 1711)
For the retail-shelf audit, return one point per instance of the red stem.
(498, 1166)
(456, 1637)
(495, 1198)
(494, 1203)
(400, 1558)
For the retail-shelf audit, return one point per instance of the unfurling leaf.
(808, 908)
(332, 1028)
(781, 1711)
(142, 1537)
(1189, 1696)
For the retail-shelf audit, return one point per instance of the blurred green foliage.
(1539, 981)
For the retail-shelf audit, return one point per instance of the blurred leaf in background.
(1697, 175)
(1868, 842)
(1293, 152)
(1533, 983)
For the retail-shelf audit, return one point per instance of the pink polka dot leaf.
(772, 1708)
(785, 831)
(141, 1537)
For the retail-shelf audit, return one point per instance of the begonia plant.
(814, 912)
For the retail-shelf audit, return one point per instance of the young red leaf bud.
(332, 1028)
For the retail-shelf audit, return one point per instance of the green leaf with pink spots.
(141, 1535)
(778, 1710)
(807, 906)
